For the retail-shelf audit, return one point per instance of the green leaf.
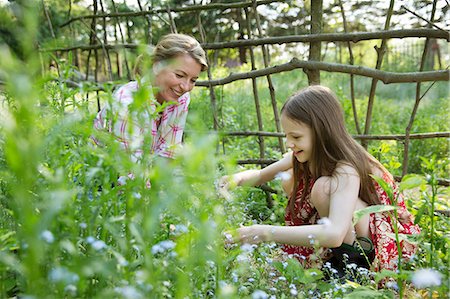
(385, 187)
(412, 181)
(357, 215)
(365, 292)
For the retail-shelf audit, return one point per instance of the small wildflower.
(62, 274)
(180, 228)
(424, 278)
(90, 240)
(128, 292)
(283, 176)
(71, 289)
(226, 289)
(163, 246)
(259, 294)
(311, 239)
(325, 221)
(392, 285)
(122, 180)
(247, 247)
(293, 292)
(98, 245)
(47, 236)
(83, 225)
(241, 258)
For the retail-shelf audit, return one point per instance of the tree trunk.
(315, 47)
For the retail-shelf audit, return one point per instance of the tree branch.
(325, 37)
(385, 77)
(178, 9)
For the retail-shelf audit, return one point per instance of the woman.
(331, 177)
(156, 106)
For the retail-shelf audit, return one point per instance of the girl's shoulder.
(344, 168)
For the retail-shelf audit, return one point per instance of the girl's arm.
(256, 177)
(343, 195)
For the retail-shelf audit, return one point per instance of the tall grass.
(69, 230)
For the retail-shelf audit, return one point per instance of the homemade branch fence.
(111, 60)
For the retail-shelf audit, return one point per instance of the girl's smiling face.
(176, 77)
(299, 138)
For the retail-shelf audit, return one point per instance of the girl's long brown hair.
(318, 107)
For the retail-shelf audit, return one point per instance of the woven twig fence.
(111, 55)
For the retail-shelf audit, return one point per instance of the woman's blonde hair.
(169, 47)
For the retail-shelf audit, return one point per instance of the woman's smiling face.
(175, 77)
(298, 138)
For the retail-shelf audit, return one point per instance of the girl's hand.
(255, 234)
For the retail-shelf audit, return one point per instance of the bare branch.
(367, 137)
(385, 77)
(178, 9)
(325, 37)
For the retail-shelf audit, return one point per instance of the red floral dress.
(380, 224)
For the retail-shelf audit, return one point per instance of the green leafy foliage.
(69, 230)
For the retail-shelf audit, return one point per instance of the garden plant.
(68, 230)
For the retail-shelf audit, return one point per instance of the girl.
(330, 180)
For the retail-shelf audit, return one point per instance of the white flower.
(424, 278)
(392, 285)
(247, 247)
(62, 274)
(47, 236)
(163, 246)
(181, 228)
(98, 245)
(325, 221)
(71, 289)
(283, 176)
(312, 239)
(128, 292)
(241, 258)
(122, 180)
(259, 294)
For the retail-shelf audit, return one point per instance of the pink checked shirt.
(130, 127)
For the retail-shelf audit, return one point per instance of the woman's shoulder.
(126, 91)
